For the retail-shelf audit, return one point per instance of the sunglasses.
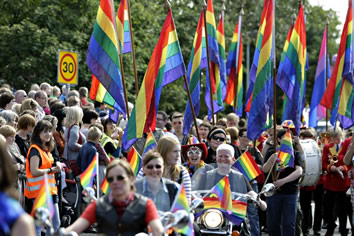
(195, 152)
(118, 178)
(157, 166)
(177, 122)
(221, 139)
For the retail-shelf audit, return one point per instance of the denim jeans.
(55, 222)
(281, 214)
(252, 214)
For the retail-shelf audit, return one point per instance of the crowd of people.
(50, 130)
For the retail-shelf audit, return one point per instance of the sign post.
(68, 70)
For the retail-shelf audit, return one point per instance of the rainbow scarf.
(44, 198)
(87, 177)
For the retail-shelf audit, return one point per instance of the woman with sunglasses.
(162, 191)
(170, 150)
(216, 137)
(122, 211)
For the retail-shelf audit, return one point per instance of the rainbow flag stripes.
(105, 186)
(247, 166)
(103, 55)
(286, 152)
(181, 203)
(238, 213)
(123, 30)
(223, 192)
(165, 66)
(87, 177)
(44, 198)
(150, 143)
(134, 160)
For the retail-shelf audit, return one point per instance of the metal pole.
(326, 65)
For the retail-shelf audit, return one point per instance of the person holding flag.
(40, 162)
(282, 206)
(122, 211)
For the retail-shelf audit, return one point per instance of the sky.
(340, 6)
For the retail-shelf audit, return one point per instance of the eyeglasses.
(194, 152)
(118, 178)
(157, 166)
(216, 138)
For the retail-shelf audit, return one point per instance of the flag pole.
(238, 53)
(97, 176)
(120, 61)
(133, 49)
(326, 65)
(208, 57)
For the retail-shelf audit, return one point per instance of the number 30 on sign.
(68, 67)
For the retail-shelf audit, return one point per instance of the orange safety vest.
(33, 183)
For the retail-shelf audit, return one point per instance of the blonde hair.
(7, 131)
(94, 133)
(166, 145)
(28, 104)
(73, 116)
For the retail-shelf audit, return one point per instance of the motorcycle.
(214, 222)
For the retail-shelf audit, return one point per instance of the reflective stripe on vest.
(106, 139)
(33, 183)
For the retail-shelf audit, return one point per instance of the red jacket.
(333, 181)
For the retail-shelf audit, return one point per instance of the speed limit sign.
(68, 67)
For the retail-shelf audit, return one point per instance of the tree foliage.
(32, 31)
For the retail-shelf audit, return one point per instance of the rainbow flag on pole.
(165, 66)
(134, 160)
(233, 64)
(150, 143)
(286, 152)
(261, 106)
(193, 75)
(223, 193)
(103, 54)
(339, 94)
(105, 186)
(123, 29)
(181, 203)
(44, 198)
(87, 177)
(247, 166)
(239, 209)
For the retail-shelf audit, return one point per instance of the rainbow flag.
(339, 94)
(292, 78)
(233, 64)
(317, 111)
(247, 166)
(193, 75)
(44, 198)
(150, 143)
(165, 66)
(216, 45)
(86, 178)
(100, 94)
(261, 105)
(105, 186)
(134, 160)
(239, 209)
(103, 56)
(223, 193)
(286, 152)
(181, 203)
(123, 29)
(254, 66)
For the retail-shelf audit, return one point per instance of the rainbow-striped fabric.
(247, 166)
(44, 198)
(87, 177)
(105, 186)
(181, 203)
(195, 65)
(150, 143)
(238, 213)
(165, 66)
(339, 94)
(286, 153)
(134, 160)
(216, 45)
(233, 65)
(262, 95)
(103, 56)
(223, 193)
(123, 29)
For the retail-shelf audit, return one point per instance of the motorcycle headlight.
(212, 219)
